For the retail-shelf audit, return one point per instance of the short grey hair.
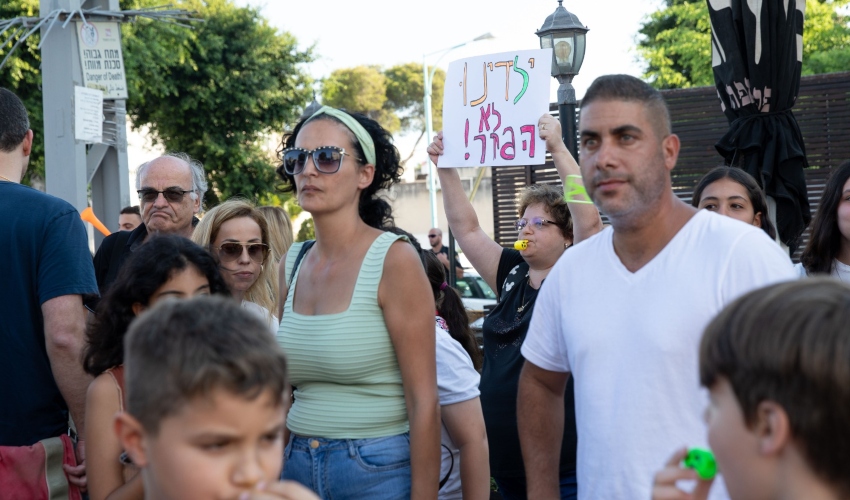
(199, 178)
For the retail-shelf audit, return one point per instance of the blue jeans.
(350, 468)
(514, 488)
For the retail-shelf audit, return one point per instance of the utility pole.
(70, 164)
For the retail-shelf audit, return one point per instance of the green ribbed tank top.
(343, 365)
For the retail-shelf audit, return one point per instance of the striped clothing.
(343, 365)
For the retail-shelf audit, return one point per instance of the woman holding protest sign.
(549, 223)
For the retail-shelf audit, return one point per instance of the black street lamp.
(563, 32)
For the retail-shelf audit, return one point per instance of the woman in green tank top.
(356, 321)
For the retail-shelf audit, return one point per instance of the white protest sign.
(88, 115)
(102, 59)
(491, 106)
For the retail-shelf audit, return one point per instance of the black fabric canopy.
(757, 60)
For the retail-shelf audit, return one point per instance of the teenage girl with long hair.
(828, 251)
(164, 267)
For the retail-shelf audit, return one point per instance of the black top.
(114, 251)
(44, 255)
(443, 249)
(504, 332)
(107, 262)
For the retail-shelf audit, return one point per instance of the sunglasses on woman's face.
(230, 251)
(326, 159)
(537, 222)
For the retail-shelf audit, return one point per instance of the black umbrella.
(757, 59)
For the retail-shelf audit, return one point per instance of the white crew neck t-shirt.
(631, 340)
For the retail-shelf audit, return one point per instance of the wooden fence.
(822, 111)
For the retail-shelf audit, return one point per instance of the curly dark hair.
(757, 197)
(825, 242)
(374, 209)
(147, 269)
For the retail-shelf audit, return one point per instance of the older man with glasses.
(170, 189)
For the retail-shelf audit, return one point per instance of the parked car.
(474, 291)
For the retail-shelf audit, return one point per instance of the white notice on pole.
(88, 115)
(101, 58)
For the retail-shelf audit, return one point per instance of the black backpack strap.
(306, 246)
(451, 466)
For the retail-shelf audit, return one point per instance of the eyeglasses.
(327, 159)
(230, 251)
(173, 195)
(433, 235)
(537, 222)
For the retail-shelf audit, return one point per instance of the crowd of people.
(206, 355)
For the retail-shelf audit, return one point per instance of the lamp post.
(428, 81)
(563, 32)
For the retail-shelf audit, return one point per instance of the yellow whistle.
(520, 244)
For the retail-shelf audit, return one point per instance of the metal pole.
(70, 166)
(567, 117)
(432, 181)
(64, 157)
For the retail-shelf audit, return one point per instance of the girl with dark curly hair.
(166, 266)
(357, 321)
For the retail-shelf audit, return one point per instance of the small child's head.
(777, 364)
(205, 412)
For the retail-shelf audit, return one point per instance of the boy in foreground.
(777, 365)
(205, 408)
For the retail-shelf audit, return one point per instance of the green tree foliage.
(393, 97)
(307, 231)
(216, 91)
(675, 42)
(22, 76)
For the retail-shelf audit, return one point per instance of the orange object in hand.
(88, 216)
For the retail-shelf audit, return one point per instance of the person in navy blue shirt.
(46, 269)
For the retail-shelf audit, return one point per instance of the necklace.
(6, 178)
(522, 300)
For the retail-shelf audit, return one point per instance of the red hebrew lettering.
(485, 119)
(483, 139)
(466, 139)
(510, 144)
(499, 116)
(495, 138)
(528, 129)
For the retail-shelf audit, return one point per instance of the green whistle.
(702, 461)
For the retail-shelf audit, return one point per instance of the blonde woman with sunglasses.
(236, 234)
(549, 222)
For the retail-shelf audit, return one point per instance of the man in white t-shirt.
(624, 310)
